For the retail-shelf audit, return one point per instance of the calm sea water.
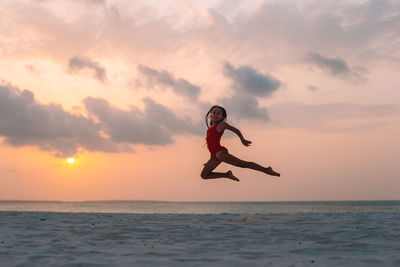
(203, 207)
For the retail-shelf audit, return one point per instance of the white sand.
(89, 239)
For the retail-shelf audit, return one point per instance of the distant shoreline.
(168, 201)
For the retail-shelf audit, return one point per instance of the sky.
(123, 87)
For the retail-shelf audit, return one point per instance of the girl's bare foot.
(270, 171)
(231, 176)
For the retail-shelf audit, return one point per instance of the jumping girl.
(215, 120)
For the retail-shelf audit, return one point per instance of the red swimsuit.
(213, 139)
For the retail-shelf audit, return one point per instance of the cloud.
(245, 107)
(364, 30)
(248, 84)
(26, 122)
(333, 117)
(140, 31)
(166, 118)
(77, 64)
(313, 88)
(248, 80)
(336, 67)
(163, 78)
(154, 126)
(33, 69)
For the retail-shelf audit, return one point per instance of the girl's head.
(216, 114)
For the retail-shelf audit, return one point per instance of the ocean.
(161, 207)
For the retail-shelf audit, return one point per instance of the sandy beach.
(100, 239)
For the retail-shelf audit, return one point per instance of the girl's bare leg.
(224, 156)
(207, 172)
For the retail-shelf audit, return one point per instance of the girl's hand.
(246, 142)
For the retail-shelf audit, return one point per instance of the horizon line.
(191, 201)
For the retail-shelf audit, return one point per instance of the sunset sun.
(70, 160)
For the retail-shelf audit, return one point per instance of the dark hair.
(207, 118)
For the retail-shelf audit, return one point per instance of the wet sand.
(101, 239)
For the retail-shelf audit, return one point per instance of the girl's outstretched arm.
(224, 125)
